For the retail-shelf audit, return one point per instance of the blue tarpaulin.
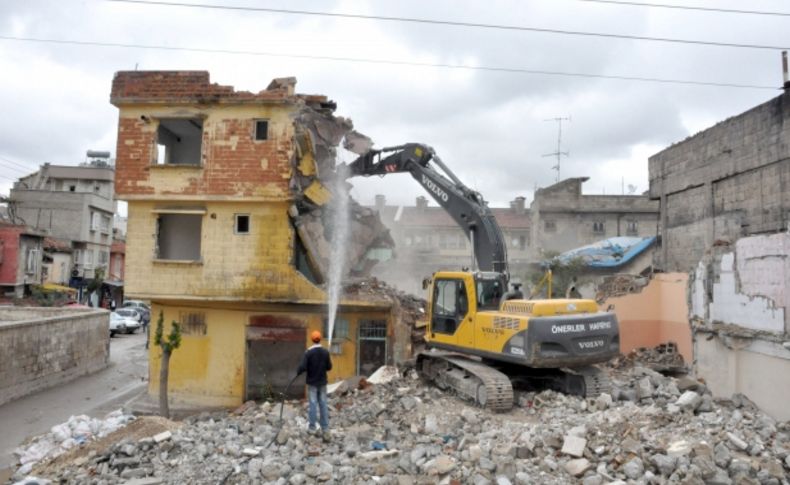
(609, 253)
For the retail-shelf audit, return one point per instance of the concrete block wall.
(42, 347)
(729, 181)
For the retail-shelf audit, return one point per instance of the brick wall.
(729, 181)
(233, 163)
(49, 346)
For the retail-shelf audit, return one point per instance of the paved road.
(94, 395)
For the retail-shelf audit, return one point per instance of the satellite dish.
(631, 189)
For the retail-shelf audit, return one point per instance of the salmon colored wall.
(656, 315)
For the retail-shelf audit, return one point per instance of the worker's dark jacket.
(316, 363)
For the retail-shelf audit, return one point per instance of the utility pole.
(559, 153)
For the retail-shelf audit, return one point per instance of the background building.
(563, 218)
(20, 258)
(428, 240)
(72, 203)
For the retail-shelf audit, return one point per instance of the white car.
(130, 320)
(117, 324)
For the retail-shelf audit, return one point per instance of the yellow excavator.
(482, 338)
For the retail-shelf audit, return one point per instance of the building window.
(549, 226)
(522, 242)
(106, 222)
(179, 141)
(242, 225)
(261, 130)
(178, 237)
(32, 261)
(193, 323)
(95, 221)
(339, 332)
(87, 258)
(336, 348)
(598, 227)
(631, 228)
(104, 258)
(117, 266)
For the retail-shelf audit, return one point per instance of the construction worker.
(316, 362)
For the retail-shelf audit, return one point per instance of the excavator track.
(470, 379)
(595, 381)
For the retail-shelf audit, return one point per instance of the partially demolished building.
(725, 215)
(228, 231)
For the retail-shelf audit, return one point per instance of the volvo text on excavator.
(482, 338)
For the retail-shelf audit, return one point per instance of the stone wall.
(726, 182)
(42, 347)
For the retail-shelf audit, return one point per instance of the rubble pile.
(78, 430)
(663, 358)
(408, 310)
(620, 285)
(651, 429)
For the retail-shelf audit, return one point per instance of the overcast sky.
(487, 126)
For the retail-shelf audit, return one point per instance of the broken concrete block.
(689, 401)
(163, 436)
(737, 442)
(577, 467)
(644, 388)
(634, 468)
(440, 465)
(574, 446)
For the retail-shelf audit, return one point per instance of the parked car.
(134, 319)
(117, 324)
(140, 306)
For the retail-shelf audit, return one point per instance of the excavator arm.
(464, 205)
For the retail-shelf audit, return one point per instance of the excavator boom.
(466, 206)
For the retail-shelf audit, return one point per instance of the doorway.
(372, 342)
(273, 355)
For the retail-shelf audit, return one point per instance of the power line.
(690, 7)
(452, 23)
(509, 70)
(11, 167)
(17, 164)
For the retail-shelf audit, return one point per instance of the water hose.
(282, 405)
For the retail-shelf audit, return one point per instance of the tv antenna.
(559, 153)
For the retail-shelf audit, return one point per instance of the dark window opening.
(261, 130)
(72, 188)
(179, 141)
(598, 227)
(632, 228)
(549, 226)
(242, 224)
(178, 237)
(303, 263)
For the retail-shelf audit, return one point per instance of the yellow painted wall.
(209, 370)
(255, 266)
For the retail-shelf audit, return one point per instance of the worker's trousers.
(316, 401)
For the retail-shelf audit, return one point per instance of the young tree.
(172, 342)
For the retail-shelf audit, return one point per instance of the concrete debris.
(383, 375)
(620, 285)
(406, 432)
(62, 437)
(317, 135)
(662, 358)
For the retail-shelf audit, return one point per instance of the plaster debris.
(404, 431)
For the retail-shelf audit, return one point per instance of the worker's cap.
(315, 336)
